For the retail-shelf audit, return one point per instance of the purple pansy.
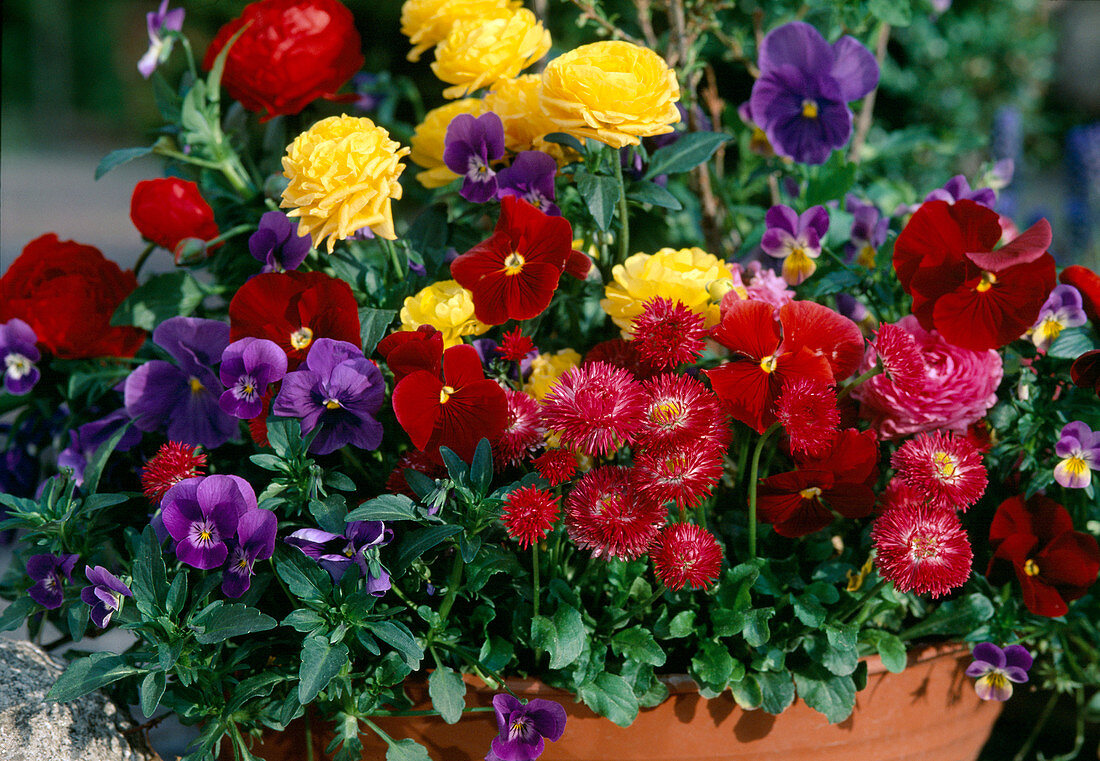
(85, 440)
(868, 231)
(339, 390)
(358, 545)
(160, 45)
(531, 177)
(201, 515)
(1062, 309)
(801, 98)
(248, 367)
(105, 595)
(470, 145)
(50, 572)
(997, 669)
(19, 353)
(1079, 447)
(277, 243)
(958, 189)
(255, 541)
(181, 400)
(796, 239)
(524, 728)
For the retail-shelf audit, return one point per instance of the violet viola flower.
(160, 45)
(50, 572)
(524, 728)
(85, 440)
(182, 401)
(104, 596)
(801, 98)
(255, 541)
(248, 367)
(1079, 448)
(1062, 309)
(997, 669)
(338, 389)
(531, 177)
(20, 354)
(796, 239)
(358, 545)
(277, 243)
(469, 147)
(201, 514)
(958, 189)
(868, 232)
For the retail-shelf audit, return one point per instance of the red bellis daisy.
(686, 555)
(922, 549)
(529, 513)
(667, 334)
(172, 463)
(944, 467)
(806, 408)
(523, 431)
(900, 356)
(556, 465)
(604, 514)
(685, 475)
(680, 409)
(596, 407)
(514, 346)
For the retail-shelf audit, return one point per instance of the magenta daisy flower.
(901, 357)
(596, 407)
(922, 549)
(556, 465)
(685, 475)
(606, 515)
(529, 513)
(679, 409)
(667, 334)
(686, 555)
(806, 408)
(945, 467)
(172, 463)
(523, 431)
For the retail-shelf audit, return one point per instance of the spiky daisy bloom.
(427, 141)
(693, 277)
(557, 465)
(480, 52)
(900, 356)
(686, 555)
(596, 408)
(667, 334)
(943, 466)
(447, 307)
(806, 408)
(523, 432)
(427, 22)
(615, 92)
(516, 102)
(685, 475)
(546, 369)
(680, 409)
(529, 513)
(343, 174)
(606, 515)
(172, 463)
(922, 549)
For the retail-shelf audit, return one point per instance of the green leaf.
(321, 661)
(303, 576)
(98, 461)
(600, 194)
(832, 181)
(416, 543)
(87, 674)
(563, 636)
(150, 692)
(162, 296)
(777, 690)
(809, 611)
(682, 624)
(890, 649)
(832, 695)
(481, 467)
(259, 685)
(954, 617)
(225, 621)
(150, 583)
(713, 664)
(837, 650)
(689, 151)
(893, 12)
(373, 325)
(637, 644)
(448, 693)
(120, 157)
(330, 513)
(400, 639)
(304, 620)
(387, 507)
(610, 695)
(568, 141)
(747, 693)
(97, 502)
(77, 617)
(407, 750)
(281, 432)
(468, 546)
(653, 194)
(1071, 343)
(337, 480)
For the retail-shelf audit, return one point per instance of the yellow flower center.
(946, 466)
(1031, 568)
(666, 414)
(1049, 329)
(988, 281)
(301, 338)
(445, 394)
(242, 563)
(809, 109)
(866, 256)
(768, 364)
(196, 385)
(332, 404)
(513, 265)
(205, 535)
(811, 493)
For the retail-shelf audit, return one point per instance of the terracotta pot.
(929, 712)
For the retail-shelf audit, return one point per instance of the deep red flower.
(976, 297)
(67, 293)
(944, 467)
(514, 346)
(667, 334)
(922, 549)
(412, 459)
(406, 351)
(807, 410)
(620, 353)
(556, 465)
(1054, 564)
(291, 53)
(257, 426)
(172, 463)
(595, 407)
(1087, 283)
(1085, 371)
(513, 274)
(606, 515)
(294, 309)
(523, 431)
(528, 514)
(686, 474)
(167, 209)
(680, 409)
(686, 555)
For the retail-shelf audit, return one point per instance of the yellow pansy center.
(301, 338)
(768, 364)
(513, 265)
(1031, 568)
(332, 404)
(811, 493)
(866, 256)
(205, 535)
(196, 384)
(988, 281)
(445, 394)
(809, 109)
(1049, 329)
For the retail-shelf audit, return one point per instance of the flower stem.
(392, 251)
(860, 379)
(624, 220)
(141, 259)
(535, 588)
(1047, 710)
(452, 587)
(640, 607)
(753, 473)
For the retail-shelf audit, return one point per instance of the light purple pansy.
(160, 45)
(531, 177)
(358, 545)
(248, 367)
(338, 389)
(1079, 447)
(997, 669)
(524, 728)
(795, 238)
(801, 97)
(1062, 309)
(50, 572)
(255, 541)
(868, 231)
(278, 244)
(105, 596)
(20, 356)
(85, 440)
(201, 515)
(470, 145)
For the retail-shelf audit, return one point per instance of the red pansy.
(1087, 283)
(406, 351)
(1085, 371)
(167, 210)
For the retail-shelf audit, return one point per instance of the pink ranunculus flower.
(958, 389)
(757, 283)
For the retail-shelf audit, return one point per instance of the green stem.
(189, 53)
(169, 153)
(428, 712)
(753, 473)
(860, 379)
(857, 605)
(535, 588)
(234, 231)
(141, 259)
(1047, 710)
(452, 587)
(473, 660)
(624, 219)
(391, 249)
(309, 737)
(640, 607)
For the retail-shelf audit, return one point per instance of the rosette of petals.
(447, 307)
(557, 465)
(201, 514)
(523, 431)
(515, 346)
(255, 541)
(105, 596)
(1062, 309)
(357, 547)
(668, 334)
(680, 409)
(248, 367)
(547, 369)
(20, 356)
(1079, 447)
(173, 462)
(524, 728)
(997, 669)
(528, 514)
(605, 514)
(427, 22)
(945, 467)
(686, 555)
(516, 102)
(478, 52)
(596, 408)
(428, 141)
(612, 91)
(343, 174)
(49, 574)
(277, 243)
(531, 177)
(686, 474)
(868, 232)
(763, 284)
(922, 549)
(470, 146)
(897, 351)
(806, 408)
(796, 239)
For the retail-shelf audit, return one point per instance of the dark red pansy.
(1087, 284)
(407, 351)
(1085, 371)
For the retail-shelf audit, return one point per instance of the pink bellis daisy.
(604, 514)
(523, 431)
(596, 407)
(922, 549)
(944, 466)
(529, 513)
(806, 408)
(900, 356)
(686, 555)
(667, 334)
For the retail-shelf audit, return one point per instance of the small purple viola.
(20, 353)
(358, 545)
(105, 595)
(277, 243)
(201, 514)
(868, 232)
(470, 145)
(531, 177)
(50, 572)
(796, 239)
(1062, 309)
(997, 669)
(524, 728)
(338, 389)
(255, 541)
(160, 45)
(85, 440)
(957, 189)
(1079, 447)
(248, 367)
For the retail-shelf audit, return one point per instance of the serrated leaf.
(689, 151)
(120, 157)
(321, 661)
(150, 582)
(304, 620)
(302, 575)
(829, 694)
(776, 689)
(330, 513)
(637, 644)
(600, 194)
(610, 695)
(162, 296)
(416, 543)
(387, 507)
(221, 623)
(259, 685)
(150, 691)
(373, 324)
(448, 693)
(653, 194)
(400, 639)
(407, 750)
(87, 674)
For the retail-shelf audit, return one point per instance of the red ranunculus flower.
(514, 273)
(977, 298)
(293, 309)
(167, 210)
(292, 53)
(67, 293)
(1087, 283)
(1054, 563)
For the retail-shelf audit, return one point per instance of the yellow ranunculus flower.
(427, 22)
(688, 275)
(447, 307)
(343, 174)
(614, 92)
(516, 102)
(427, 140)
(546, 369)
(480, 52)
